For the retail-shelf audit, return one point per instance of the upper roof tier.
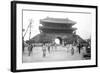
(57, 20)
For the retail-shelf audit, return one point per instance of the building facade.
(60, 28)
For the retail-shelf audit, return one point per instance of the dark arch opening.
(59, 39)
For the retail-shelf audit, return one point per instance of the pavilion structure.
(60, 28)
(53, 28)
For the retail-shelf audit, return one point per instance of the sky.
(83, 22)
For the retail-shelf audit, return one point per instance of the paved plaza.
(58, 54)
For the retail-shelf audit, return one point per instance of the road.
(58, 54)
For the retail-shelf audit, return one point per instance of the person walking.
(79, 48)
(30, 48)
(44, 50)
(49, 48)
(72, 51)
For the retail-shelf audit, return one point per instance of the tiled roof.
(58, 20)
(57, 28)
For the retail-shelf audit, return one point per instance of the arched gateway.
(57, 28)
(58, 40)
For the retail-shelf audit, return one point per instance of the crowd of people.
(51, 47)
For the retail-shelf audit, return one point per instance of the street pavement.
(58, 54)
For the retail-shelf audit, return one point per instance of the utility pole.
(29, 26)
(30, 29)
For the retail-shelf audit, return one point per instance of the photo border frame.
(13, 34)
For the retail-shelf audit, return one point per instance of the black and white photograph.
(56, 36)
(51, 35)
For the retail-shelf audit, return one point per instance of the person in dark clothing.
(30, 49)
(44, 50)
(49, 49)
(72, 51)
(79, 47)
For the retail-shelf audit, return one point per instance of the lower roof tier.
(55, 30)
